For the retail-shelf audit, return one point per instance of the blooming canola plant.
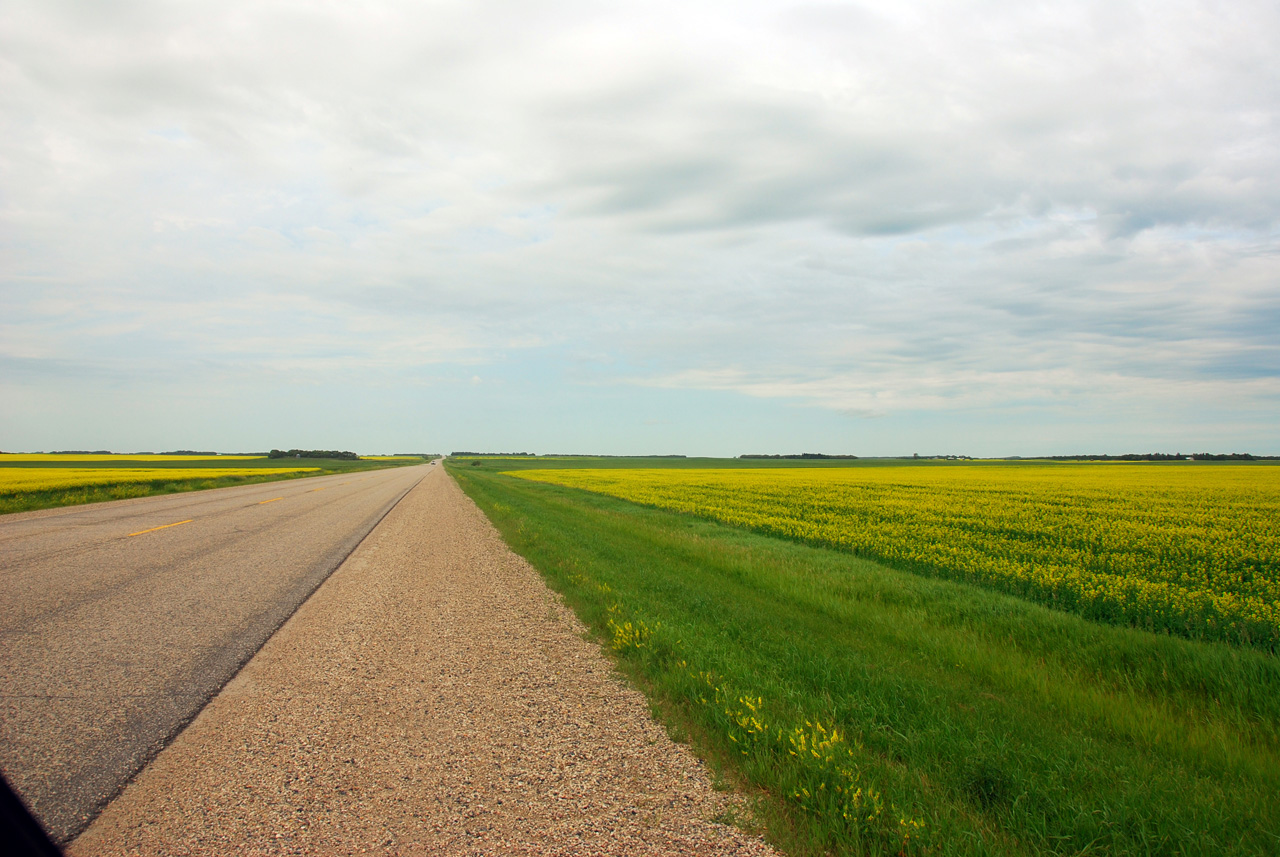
(1186, 549)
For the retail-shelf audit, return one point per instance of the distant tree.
(313, 453)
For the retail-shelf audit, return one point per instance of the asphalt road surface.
(119, 621)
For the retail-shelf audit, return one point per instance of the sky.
(702, 228)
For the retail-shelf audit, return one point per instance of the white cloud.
(871, 208)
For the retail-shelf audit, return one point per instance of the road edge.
(375, 519)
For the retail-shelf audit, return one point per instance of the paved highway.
(118, 621)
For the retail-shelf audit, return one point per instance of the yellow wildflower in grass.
(815, 766)
(1192, 549)
(626, 634)
(819, 762)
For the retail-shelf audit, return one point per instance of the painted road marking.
(162, 527)
(314, 490)
(272, 500)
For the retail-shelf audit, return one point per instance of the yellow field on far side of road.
(15, 480)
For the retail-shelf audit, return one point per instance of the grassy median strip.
(876, 711)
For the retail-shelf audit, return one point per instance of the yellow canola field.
(11, 457)
(16, 480)
(1191, 549)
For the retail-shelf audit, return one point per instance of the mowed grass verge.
(875, 711)
(96, 479)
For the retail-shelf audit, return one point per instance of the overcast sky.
(696, 227)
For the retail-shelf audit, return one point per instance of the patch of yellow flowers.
(626, 634)
(814, 765)
(1193, 549)
(817, 765)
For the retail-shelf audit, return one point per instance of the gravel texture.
(110, 643)
(432, 697)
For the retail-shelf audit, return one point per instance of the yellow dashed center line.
(272, 500)
(314, 490)
(162, 527)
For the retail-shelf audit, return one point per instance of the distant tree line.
(498, 454)
(554, 455)
(313, 453)
(801, 455)
(1167, 456)
(600, 455)
(109, 452)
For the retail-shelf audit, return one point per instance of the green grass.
(28, 501)
(997, 726)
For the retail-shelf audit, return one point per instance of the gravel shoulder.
(432, 697)
(120, 621)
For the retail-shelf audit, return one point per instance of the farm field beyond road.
(45, 481)
(1191, 549)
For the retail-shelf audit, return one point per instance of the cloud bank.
(704, 227)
